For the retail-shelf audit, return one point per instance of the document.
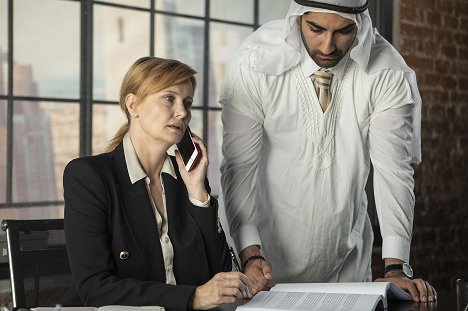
(354, 296)
(103, 308)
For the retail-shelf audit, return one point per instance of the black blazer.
(106, 215)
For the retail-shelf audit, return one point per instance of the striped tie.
(323, 80)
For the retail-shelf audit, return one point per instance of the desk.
(446, 302)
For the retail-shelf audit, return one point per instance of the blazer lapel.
(139, 215)
(189, 249)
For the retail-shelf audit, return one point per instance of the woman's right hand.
(195, 179)
(224, 287)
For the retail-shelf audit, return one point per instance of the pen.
(238, 268)
(234, 259)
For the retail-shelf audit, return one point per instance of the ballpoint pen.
(238, 268)
(234, 259)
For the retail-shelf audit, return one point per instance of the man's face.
(326, 36)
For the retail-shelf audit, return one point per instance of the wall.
(433, 38)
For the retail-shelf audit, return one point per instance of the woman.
(140, 229)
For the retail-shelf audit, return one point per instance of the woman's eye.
(187, 104)
(170, 99)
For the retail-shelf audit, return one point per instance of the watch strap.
(404, 268)
(397, 266)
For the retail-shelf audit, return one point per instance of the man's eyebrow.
(315, 25)
(347, 27)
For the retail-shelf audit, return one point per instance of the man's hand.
(259, 271)
(420, 290)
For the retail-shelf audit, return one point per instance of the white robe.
(293, 177)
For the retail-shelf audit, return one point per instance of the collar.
(135, 171)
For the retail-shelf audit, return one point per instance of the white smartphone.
(189, 151)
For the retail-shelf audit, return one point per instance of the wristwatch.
(403, 267)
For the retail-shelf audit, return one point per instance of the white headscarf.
(372, 53)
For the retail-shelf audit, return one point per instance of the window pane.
(224, 42)
(237, 11)
(121, 36)
(47, 48)
(182, 39)
(107, 120)
(192, 7)
(36, 212)
(3, 47)
(215, 135)
(196, 123)
(45, 139)
(3, 149)
(270, 10)
(137, 3)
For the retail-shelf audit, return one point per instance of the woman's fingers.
(236, 283)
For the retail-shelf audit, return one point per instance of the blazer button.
(124, 255)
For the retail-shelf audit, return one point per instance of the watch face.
(407, 270)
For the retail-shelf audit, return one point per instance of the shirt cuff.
(396, 247)
(200, 203)
(245, 236)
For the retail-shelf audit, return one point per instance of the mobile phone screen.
(188, 150)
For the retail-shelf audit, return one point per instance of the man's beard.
(315, 54)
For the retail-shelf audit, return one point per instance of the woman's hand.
(224, 287)
(195, 179)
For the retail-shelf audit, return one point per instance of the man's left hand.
(420, 290)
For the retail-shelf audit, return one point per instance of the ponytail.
(118, 137)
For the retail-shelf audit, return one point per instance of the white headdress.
(344, 6)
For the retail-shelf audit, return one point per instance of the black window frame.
(383, 19)
(85, 99)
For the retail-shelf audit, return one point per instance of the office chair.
(38, 261)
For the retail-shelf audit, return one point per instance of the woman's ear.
(130, 102)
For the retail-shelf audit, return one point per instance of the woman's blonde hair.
(149, 75)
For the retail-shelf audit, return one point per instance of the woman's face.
(164, 115)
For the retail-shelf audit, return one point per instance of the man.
(297, 150)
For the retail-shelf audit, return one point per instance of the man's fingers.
(426, 291)
(434, 292)
(266, 269)
(260, 274)
(257, 283)
(420, 290)
(412, 289)
(257, 286)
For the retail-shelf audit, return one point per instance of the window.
(62, 62)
